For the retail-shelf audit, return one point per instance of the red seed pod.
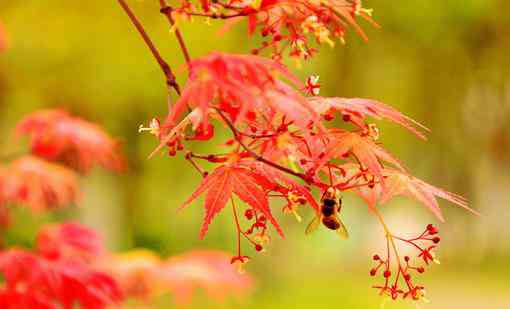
(406, 258)
(248, 214)
(328, 117)
(346, 117)
(432, 229)
(262, 219)
(255, 51)
(376, 257)
(229, 142)
(407, 277)
(387, 274)
(421, 270)
(258, 247)
(373, 271)
(436, 240)
(172, 152)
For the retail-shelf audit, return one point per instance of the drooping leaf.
(228, 179)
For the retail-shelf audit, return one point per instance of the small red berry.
(248, 214)
(406, 258)
(258, 247)
(432, 229)
(373, 271)
(346, 118)
(421, 270)
(436, 240)
(328, 117)
(387, 274)
(376, 257)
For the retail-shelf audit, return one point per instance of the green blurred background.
(445, 63)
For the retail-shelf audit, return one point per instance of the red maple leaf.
(398, 183)
(247, 83)
(56, 135)
(340, 144)
(39, 184)
(69, 239)
(64, 281)
(221, 183)
(356, 110)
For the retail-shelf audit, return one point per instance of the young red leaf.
(220, 185)
(246, 187)
(357, 110)
(364, 149)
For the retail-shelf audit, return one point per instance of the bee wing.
(313, 225)
(342, 230)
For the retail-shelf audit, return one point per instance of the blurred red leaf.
(69, 240)
(56, 135)
(39, 184)
(220, 185)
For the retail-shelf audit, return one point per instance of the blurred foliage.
(445, 63)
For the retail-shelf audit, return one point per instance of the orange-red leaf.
(216, 198)
(247, 189)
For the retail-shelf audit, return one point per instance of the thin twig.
(167, 11)
(167, 71)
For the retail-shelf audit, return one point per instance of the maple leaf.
(276, 178)
(66, 282)
(56, 135)
(357, 109)
(221, 183)
(39, 184)
(69, 239)
(365, 150)
(249, 83)
(399, 183)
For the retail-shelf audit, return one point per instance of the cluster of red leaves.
(57, 136)
(61, 145)
(278, 132)
(288, 25)
(56, 274)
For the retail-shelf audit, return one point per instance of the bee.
(331, 205)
